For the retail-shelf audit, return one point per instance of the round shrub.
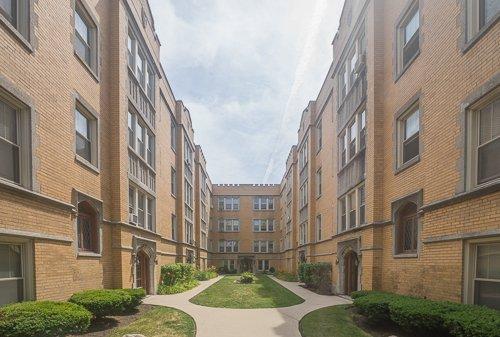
(137, 295)
(247, 277)
(43, 319)
(375, 305)
(103, 302)
(272, 270)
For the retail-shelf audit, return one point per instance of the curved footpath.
(224, 322)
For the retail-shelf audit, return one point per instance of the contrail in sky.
(305, 58)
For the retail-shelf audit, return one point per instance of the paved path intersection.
(224, 322)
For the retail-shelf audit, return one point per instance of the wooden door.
(142, 271)
(350, 272)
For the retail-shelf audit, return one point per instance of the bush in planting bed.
(103, 302)
(43, 319)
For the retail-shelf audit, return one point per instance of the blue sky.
(246, 70)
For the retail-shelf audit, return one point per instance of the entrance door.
(142, 271)
(350, 272)
(246, 264)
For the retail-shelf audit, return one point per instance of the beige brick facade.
(414, 226)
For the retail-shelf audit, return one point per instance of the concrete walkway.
(223, 322)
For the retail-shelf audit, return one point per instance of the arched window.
(87, 228)
(407, 229)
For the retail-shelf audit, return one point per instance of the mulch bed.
(103, 326)
(317, 291)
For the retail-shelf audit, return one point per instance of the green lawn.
(160, 322)
(264, 293)
(333, 321)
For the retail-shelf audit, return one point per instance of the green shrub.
(428, 317)
(177, 288)
(43, 319)
(103, 302)
(247, 277)
(137, 295)
(204, 275)
(177, 273)
(473, 321)
(375, 305)
(361, 293)
(421, 315)
(272, 270)
(316, 275)
(226, 270)
(289, 277)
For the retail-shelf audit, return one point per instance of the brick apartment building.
(394, 178)
(395, 175)
(100, 180)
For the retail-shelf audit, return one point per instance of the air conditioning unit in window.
(132, 218)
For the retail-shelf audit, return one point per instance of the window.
(150, 84)
(353, 130)
(362, 129)
(188, 227)
(352, 209)
(131, 47)
(86, 135)
(353, 62)
(174, 227)
(85, 37)
(150, 149)
(229, 203)
(484, 274)
(484, 135)
(17, 13)
(303, 233)
(141, 65)
(318, 183)
(361, 198)
(303, 156)
(318, 227)
(408, 32)
(303, 195)
(480, 14)
(228, 246)
(262, 265)
(263, 225)
(319, 135)
(173, 134)
(230, 265)
(173, 182)
(408, 135)
(15, 272)
(229, 225)
(342, 89)
(263, 203)
(131, 129)
(406, 233)
(87, 228)
(141, 208)
(140, 142)
(15, 153)
(263, 246)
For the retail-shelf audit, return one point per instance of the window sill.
(92, 73)
(15, 33)
(407, 165)
(400, 73)
(89, 254)
(405, 255)
(87, 164)
(467, 45)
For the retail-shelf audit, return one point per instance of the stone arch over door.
(348, 253)
(144, 251)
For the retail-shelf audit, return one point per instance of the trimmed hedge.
(137, 295)
(43, 319)
(103, 302)
(316, 276)
(177, 288)
(247, 278)
(429, 317)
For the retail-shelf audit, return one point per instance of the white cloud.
(246, 70)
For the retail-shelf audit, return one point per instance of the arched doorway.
(350, 272)
(142, 271)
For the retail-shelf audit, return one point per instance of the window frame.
(82, 107)
(399, 35)
(24, 116)
(400, 118)
(22, 32)
(471, 146)
(472, 30)
(90, 19)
